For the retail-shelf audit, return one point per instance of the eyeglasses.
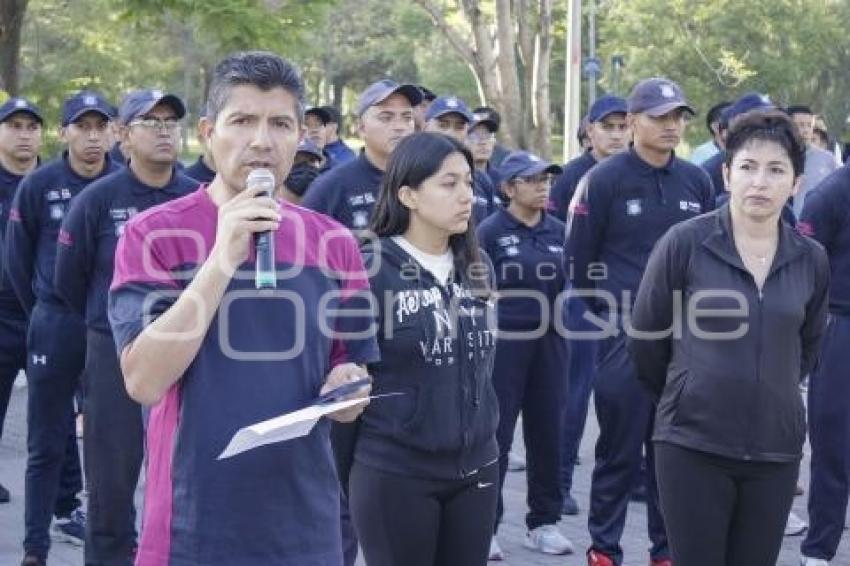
(159, 124)
(481, 136)
(543, 179)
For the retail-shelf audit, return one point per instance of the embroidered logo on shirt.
(359, 219)
(634, 207)
(690, 206)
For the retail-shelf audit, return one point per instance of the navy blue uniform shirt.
(346, 193)
(625, 206)
(487, 199)
(565, 186)
(9, 304)
(38, 208)
(525, 258)
(200, 172)
(826, 218)
(90, 232)
(339, 153)
(714, 167)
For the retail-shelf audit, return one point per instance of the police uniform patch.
(633, 207)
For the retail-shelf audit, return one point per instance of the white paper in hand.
(285, 427)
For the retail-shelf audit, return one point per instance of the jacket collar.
(721, 242)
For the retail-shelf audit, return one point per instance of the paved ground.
(13, 457)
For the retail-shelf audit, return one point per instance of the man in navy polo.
(21, 126)
(150, 134)
(56, 335)
(449, 115)
(628, 202)
(826, 218)
(609, 134)
(335, 147)
(211, 354)
(348, 193)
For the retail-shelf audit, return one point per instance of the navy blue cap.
(381, 90)
(656, 97)
(306, 146)
(749, 101)
(319, 111)
(84, 102)
(443, 105)
(486, 119)
(17, 104)
(524, 164)
(605, 106)
(140, 102)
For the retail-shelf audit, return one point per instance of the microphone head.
(260, 179)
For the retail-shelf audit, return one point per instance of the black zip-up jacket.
(735, 395)
(444, 424)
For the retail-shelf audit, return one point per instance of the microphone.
(265, 276)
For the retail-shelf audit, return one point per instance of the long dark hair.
(415, 159)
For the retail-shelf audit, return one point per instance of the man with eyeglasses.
(150, 134)
(625, 204)
(56, 335)
(21, 126)
(450, 115)
(348, 193)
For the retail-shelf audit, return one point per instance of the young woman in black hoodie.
(737, 302)
(424, 481)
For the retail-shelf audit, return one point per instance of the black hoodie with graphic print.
(437, 348)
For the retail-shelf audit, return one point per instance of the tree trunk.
(11, 21)
(542, 107)
(511, 99)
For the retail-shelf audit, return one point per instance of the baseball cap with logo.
(656, 97)
(17, 104)
(443, 105)
(140, 102)
(524, 164)
(381, 90)
(84, 102)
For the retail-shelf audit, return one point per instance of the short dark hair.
(766, 125)
(261, 69)
(416, 158)
(798, 109)
(715, 114)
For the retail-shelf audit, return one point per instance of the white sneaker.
(795, 525)
(806, 561)
(495, 550)
(548, 540)
(516, 463)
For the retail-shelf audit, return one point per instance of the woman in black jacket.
(423, 485)
(728, 319)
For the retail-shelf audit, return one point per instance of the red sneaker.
(596, 558)
(661, 562)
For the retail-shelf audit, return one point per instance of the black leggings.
(422, 522)
(721, 511)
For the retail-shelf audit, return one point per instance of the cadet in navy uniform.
(21, 126)
(826, 218)
(627, 204)
(449, 115)
(150, 131)
(609, 133)
(335, 147)
(526, 247)
(348, 193)
(56, 335)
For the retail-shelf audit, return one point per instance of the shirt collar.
(648, 169)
